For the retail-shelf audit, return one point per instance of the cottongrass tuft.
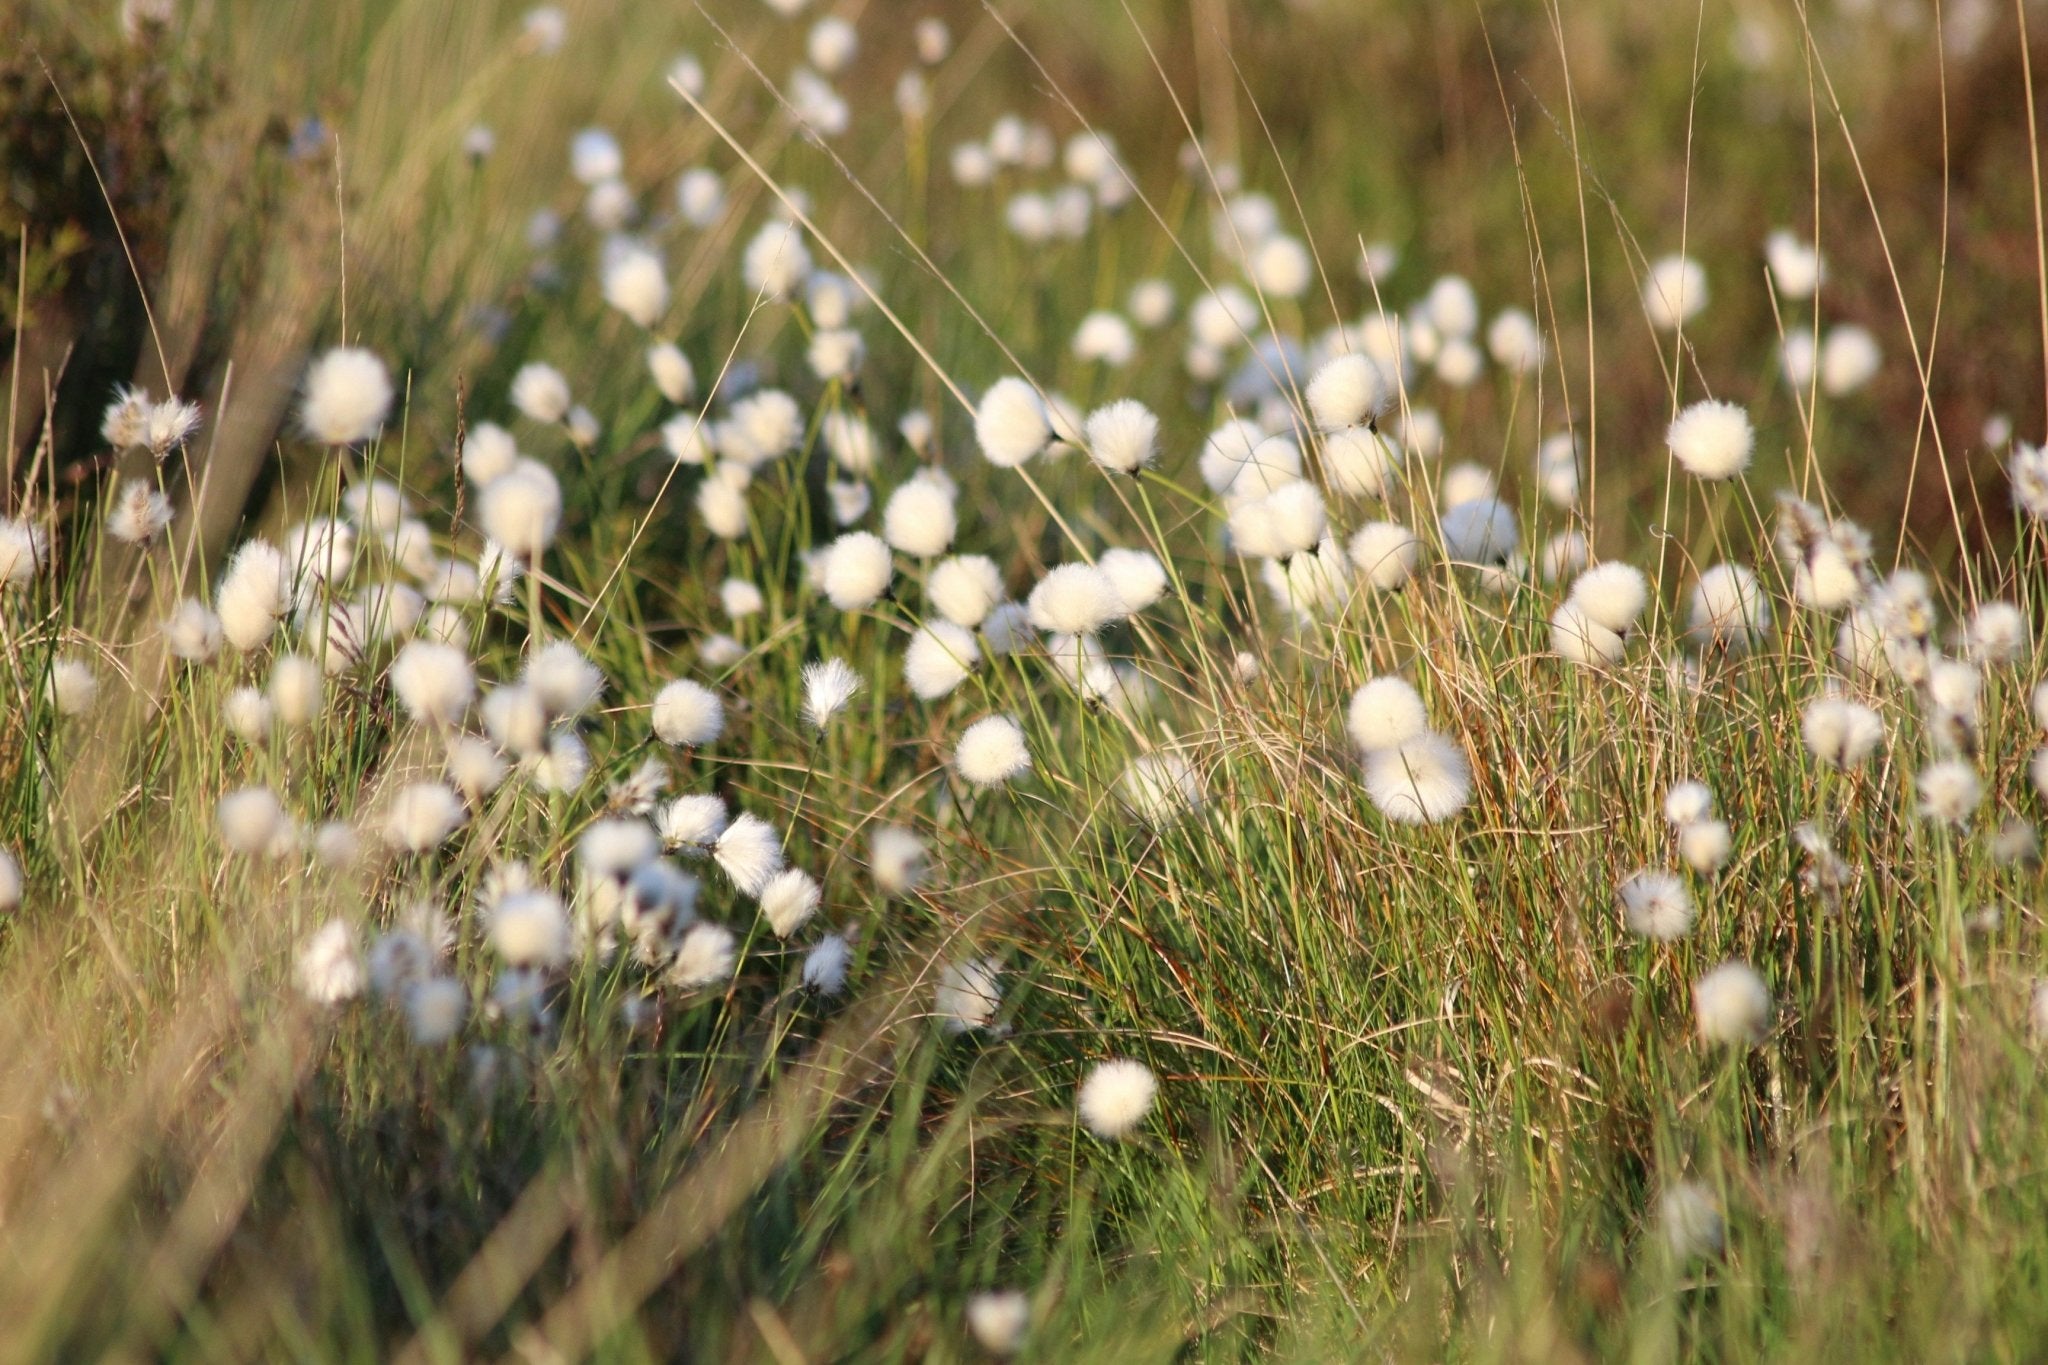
(1161, 788)
(992, 752)
(826, 964)
(422, 817)
(692, 823)
(250, 820)
(1732, 1005)
(749, 851)
(1655, 905)
(1116, 1097)
(529, 928)
(968, 994)
(857, 570)
(1839, 732)
(898, 860)
(1075, 599)
(1010, 423)
(687, 715)
(939, 658)
(998, 1319)
(1949, 792)
(829, 685)
(1385, 713)
(789, 900)
(1123, 437)
(329, 969)
(348, 395)
(434, 682)
(1689, 1217)
(1423, 780)
(10, 880)
(1728, 610)
(1712, 440)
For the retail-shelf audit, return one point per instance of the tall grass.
(1422, 1095)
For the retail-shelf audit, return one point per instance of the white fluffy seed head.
(825, 966)
(688, 715)
(254, 595)
(250, 820)
(789, 900)
(191, 632)
(829, 684)
(1480, 532)
(1839, 732)
(692, 823)
(992, 752)
(939, 658)
(857, 570)
(1123, 437)
(1348, 391)
(1655, 905)
(422, 816)
(998, 1319)
(776, 260)
(1949, 792)
(1687, 802)
(24, 547)
(540, 393)
(529, 928)
(1360, 462)
(1116, 1097)
(1704, 846)
(1011, 423)
(1075, 599)
(964, 589)
(749, 851)
(1577, 638)
(1384, 553)
(1728, 609)
(138, 515)
(1161, 788)
(10, 881)
(1732, 1006)
(1423, 780)
(919, 518)
(567, 683)
(73, 687)
(968, 994)
(1385, 713)
(1139, 577)
(248, 714)
(1674, 291)
(636, 283)
(1612, 594)
(434, 682)
(516, 718)
(1712, 440)
(298, 689)
(1105, 337)
(897, 859)
(347, 397)
(522, 509)
(673, 374)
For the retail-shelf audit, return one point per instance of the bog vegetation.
(818, 681)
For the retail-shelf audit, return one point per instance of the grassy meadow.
(1299, 679)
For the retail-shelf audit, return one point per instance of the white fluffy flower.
(992, 752)
(829, 684)
(1796, 266)
(522, 509)
(688, 715)
(540, 393)
(825, 965)
(998, 1319)
(566, 683)
(1732, 1006)
(1359, 462)
(1116, 1097)
(1105, 337)
(749, 851)
(1712, 440)
(73, 687)
(250, 820)
(672, 371)
(636, 283)
(348, 394)
(1423, 780)
(594, 156)
(1348, 391)
(1385, 713)
(919, 518)
(138, 514)
(1075, 599)
(1161, 788)
(1011, 423)
(297, 689)
(1612, 594)
(1123, 437)
(897, 859)
(434, 682)
(968, 994)
(434, 1010)
(1849, 359)
(1728, 609)
(422, 816)
(1656, 905)
(857, 570)
(1384, 553)
(1704, 846)
(1949, 792)
(1674, 291)
(329, 970)
(1480, 532)
(692, 823)
(255, 593)
(1839, 732)
(776, 260)
(788, 901)
(1687, 802)
(1139, 577)
(529, 928)
(965, 588)
(1577, 638)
